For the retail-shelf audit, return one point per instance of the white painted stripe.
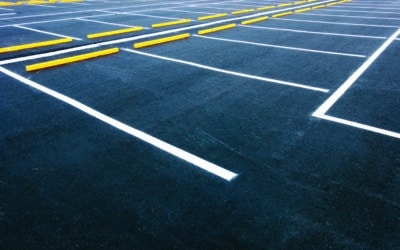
(337, 23)
(45, 32)
(377, 6)
(238, 6)
(108, 23)
(7, 14)
(228, 72)
(48, 14)
(6, 9)
(164, 146)
(83, 11)
(360, 126)
(354, 77)
(145, 15)
(281, 47)
(184, 11)
(212, 7)
(313, 32)
(40, 5)
(55, 20)
(357, 11)
(362, 7)
(352, 16)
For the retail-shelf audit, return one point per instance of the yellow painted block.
(318, 7)
(299, 2)
(35, 45)
(282, 14)
(37, 2)
(165, 24)
(215, 29)
(238, 12)
(7, 4)
(284, 5)
(114, 32)
(331, 4)
(161, 40)
(302, 10)
(72, 59)
(255, 20)
(311, 1)
(269, 7)
(202, 18)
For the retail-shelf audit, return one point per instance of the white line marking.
(6, 9)
(313, 32)
(360, 11)
(376, 6)
(177, 152)
(45, 32)
(363, 7)
(184, 11)
(352, 16)
(361, 126)
(40, 5)
(7, 14)
(354, 77)
(337, 23)
(55, 20)
(214, 8)
(108, 23)
(229, 72)
(145, 15)
(239, 5)
(83, 11)
(281, 47)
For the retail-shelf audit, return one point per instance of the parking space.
(373, 98)
(281, 133)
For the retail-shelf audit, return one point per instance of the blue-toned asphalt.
(70, 181)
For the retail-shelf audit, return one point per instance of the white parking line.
(145, 15)
(164, 146)
(6, 9)
(360, 126)
(352, 16)
(108, 23)
(314, 32)
(55, 20)
(88, 10)
(229, 72)
(371, 8)
(45, 6)
(282, 47)
(185, 11)
(7, 14)
(323, 109)
(358, 11)
(45, 32)
(337, 23)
